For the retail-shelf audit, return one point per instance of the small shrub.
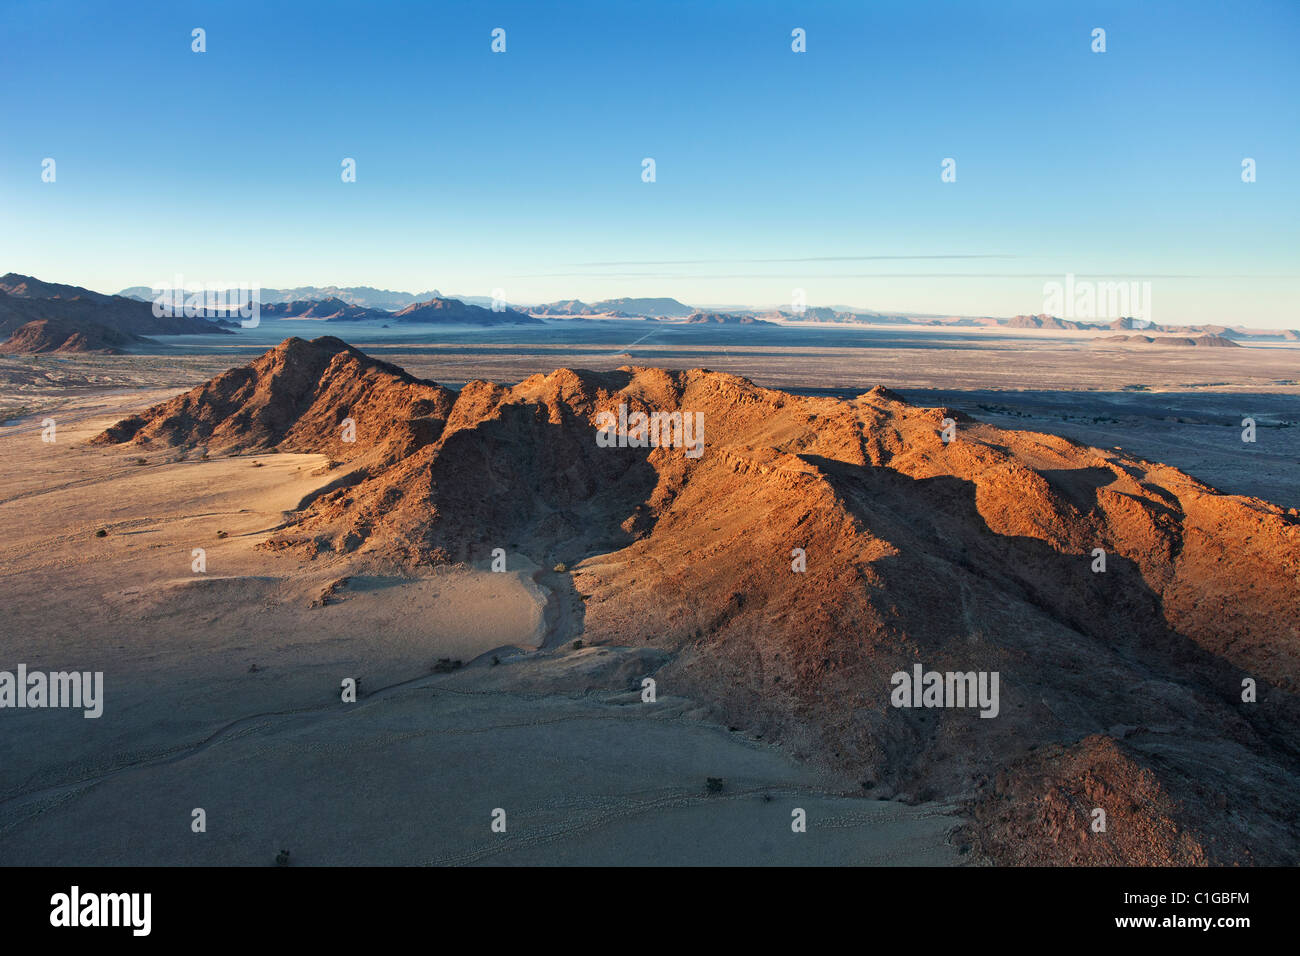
(101, 533)
(713, 784)
(282, 858)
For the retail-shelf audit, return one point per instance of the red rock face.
(297, 397)
(1120, 690)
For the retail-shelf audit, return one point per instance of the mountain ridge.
(24, 299)
(976, 554)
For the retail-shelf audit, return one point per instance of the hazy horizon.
(418, 292)
(775, 170)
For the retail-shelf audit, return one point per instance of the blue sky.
(775, 170)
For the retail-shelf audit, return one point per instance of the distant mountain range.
(78, 319)
(666, 307)
(632, 308)
(1041, 321)
(567, 307)
(362, 296)
(1212, 335)
(435, 311)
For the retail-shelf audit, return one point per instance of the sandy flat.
(131, 604)
(414, 776)
(222, 691)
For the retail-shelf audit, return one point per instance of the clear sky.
(775, 170)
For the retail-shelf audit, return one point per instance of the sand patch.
(453, 612)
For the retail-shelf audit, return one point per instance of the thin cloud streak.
(1110, 276)
(714, 262)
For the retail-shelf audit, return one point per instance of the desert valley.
(386, 566)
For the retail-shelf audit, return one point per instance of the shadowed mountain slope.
(59, 335)
(24, 299)
(455, 312)
(331, 309)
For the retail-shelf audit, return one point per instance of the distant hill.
(663, 308)
(723, 318)
(454, 312)
(1130, 323)
(1047, 322)
(1260, 335)
(60, 335)
(823, 313)
(563, 307)
(1215, 341)
(24, 299)
(814, 314)
(1180, 341)
(295, 397)
(331, 309)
